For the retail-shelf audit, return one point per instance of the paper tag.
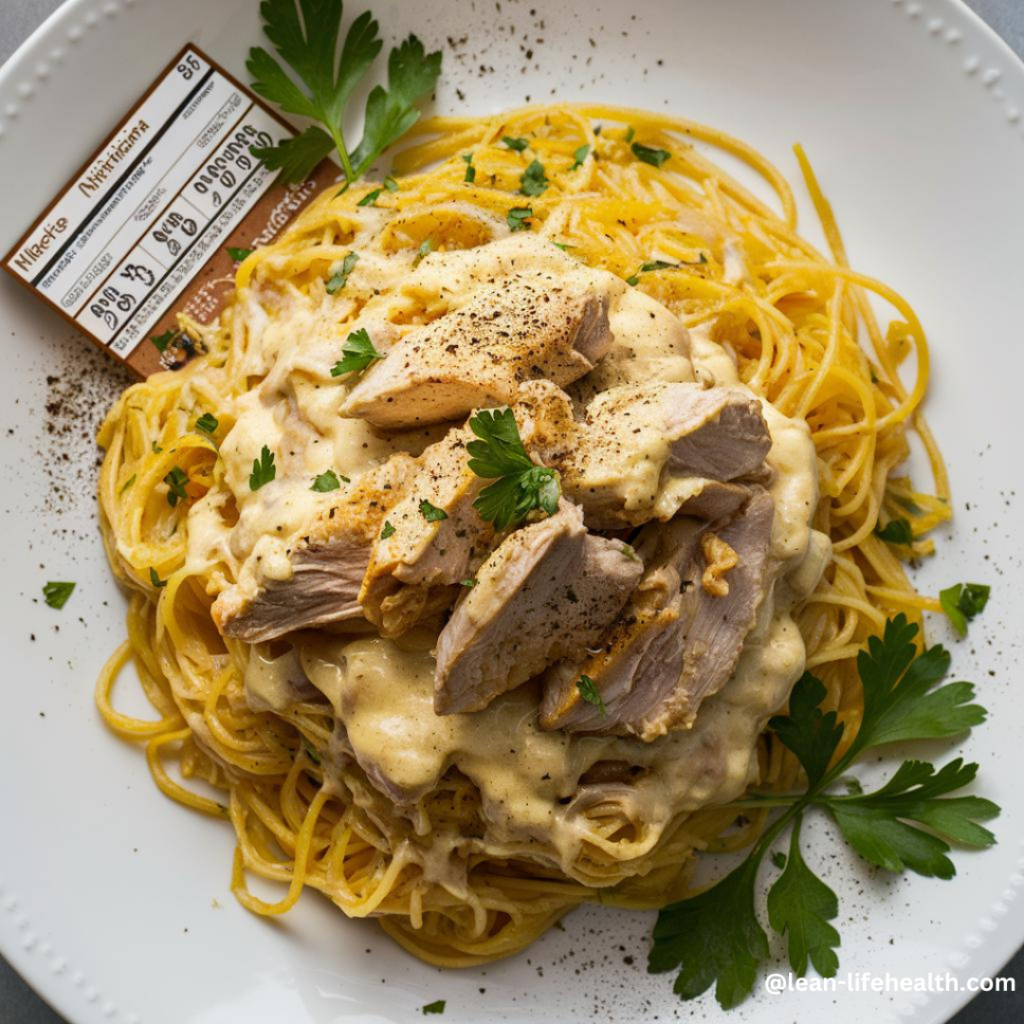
(141, 231)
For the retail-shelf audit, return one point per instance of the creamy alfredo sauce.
(381, 692)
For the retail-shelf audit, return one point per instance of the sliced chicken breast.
(645, 451)
(678, 640)
(327, 565)
(526, 326)
(419, 556)
(547, 592)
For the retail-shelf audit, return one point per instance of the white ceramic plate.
(114, 902)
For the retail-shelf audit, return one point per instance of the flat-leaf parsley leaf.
(326, 482)
(896, 531)
(432, 513)
(357, 352)
(533, 181)
(649, 155)
(519, 485)
(715, 937)
(339, 278)
(591, 694)
(207, 423)
(308, 44)
(963, 602)
(57, 593)
(176, 480)
(518, 216)
(579, 156)
(263, 470)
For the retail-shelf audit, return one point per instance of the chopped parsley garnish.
(309, 46)
(57, 593)
(469, 583)
(127, 483)
(591, 694)
(387, 531)
(437, 1006)
(390, 184)
(154, 578)
(716, 937)
(161, 341)
(516, 144)
(630, 133)
(896, 531)
(519, 485)
(654, 157)
(425, 247)
(962, 602)
(533, 182)
(518, 216)
(176, 480)
(327, 481)
(207, 423)
(650, 267)
(263, 470)
(357, 354)
(239, 254)
(311, 752)
(339, 278)
(370, 199)
(470, 169)
(579, 156)
(432, 513)
(562, 246)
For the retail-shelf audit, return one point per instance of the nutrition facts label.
(157, 200)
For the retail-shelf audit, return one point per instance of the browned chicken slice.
(649, 451)
(327, 565)
(547, 592)
(420, 555)
(526, 326)
(692, 442)
(678, 640)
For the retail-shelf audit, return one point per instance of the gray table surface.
(20, 1005)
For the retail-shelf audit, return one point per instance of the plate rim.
(67, 1000)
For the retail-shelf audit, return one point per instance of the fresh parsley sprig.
(520, 486)
(357, 354)
(716, 938)
(263, 470)
(305, 35)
